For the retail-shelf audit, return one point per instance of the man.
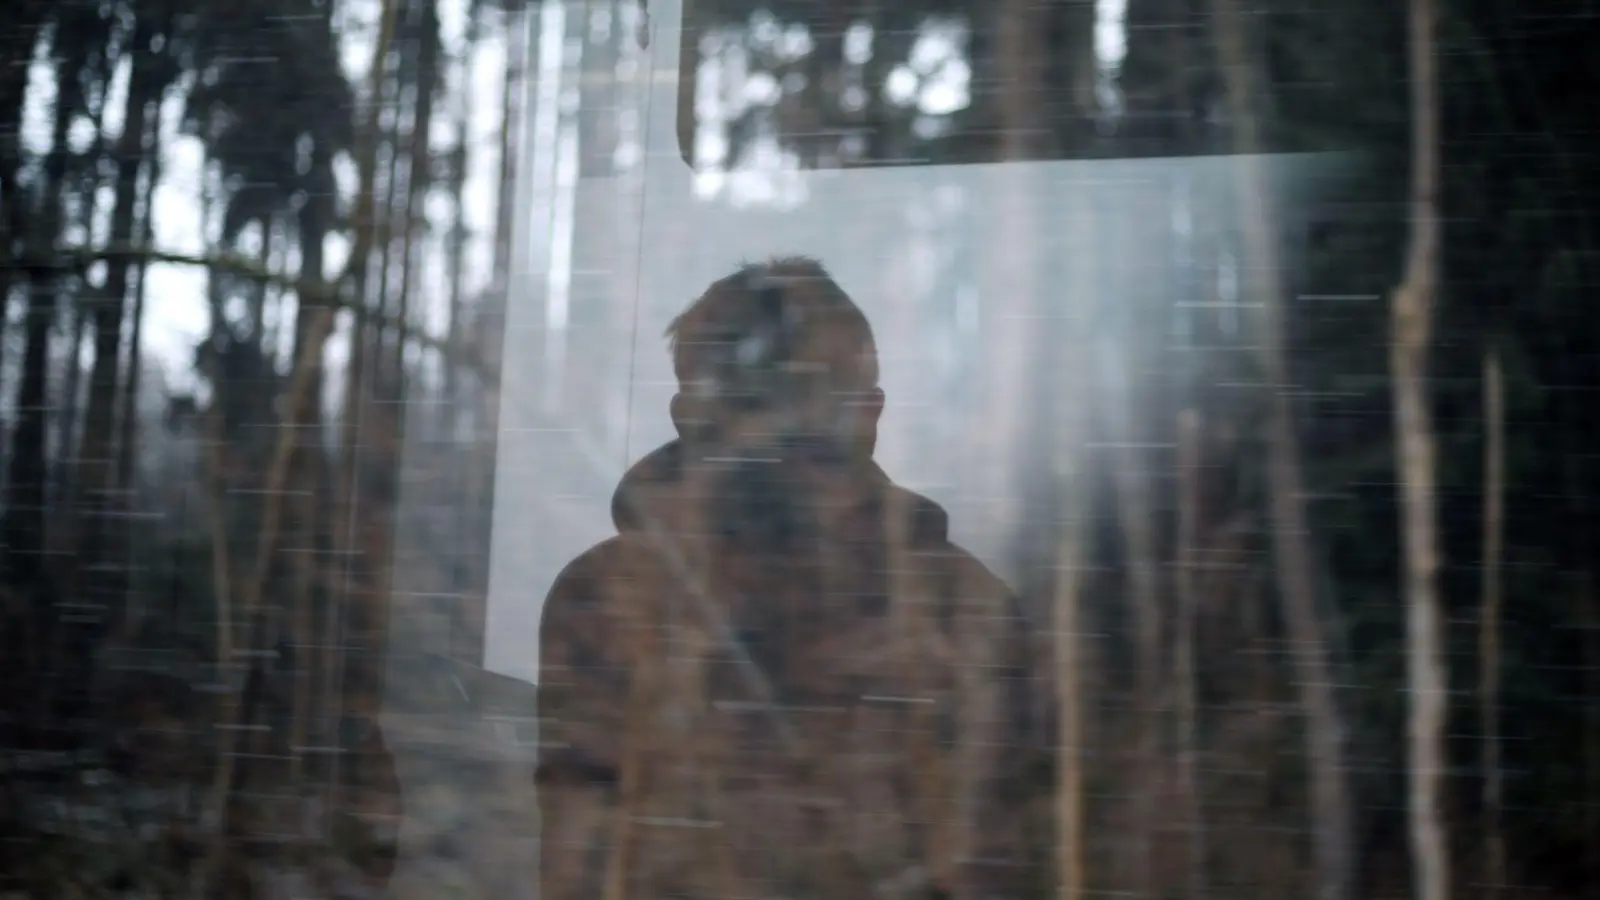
(780, 679)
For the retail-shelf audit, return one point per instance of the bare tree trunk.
(18, 41)
(456, 243)
(1184, 673)
(1494, 486)
(128, 435)
(260, 292)
(1333, 825)
(71, 414)
(367, 383)
(28, 469)
(366, 341)
(417, 167)
(1413, 304)
(1071, 863)
(128, 417)
(425, 85)
(316, 219)
(303, 613)
(1070, 460)
(24, 518)
(315, 291)
(224, 585)
(220, 524)
(450, 416)
(1009, 259)
(512, 118)
(1118, 398)
(302, 626)
(1022, 62)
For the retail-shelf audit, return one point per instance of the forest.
(1333, 632)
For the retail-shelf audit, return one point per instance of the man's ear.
(873, 406)
(690, 416)
(681, 415)
(865, 413)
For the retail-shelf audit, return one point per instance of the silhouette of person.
(780, 678)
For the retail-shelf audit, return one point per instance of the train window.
(817, 84)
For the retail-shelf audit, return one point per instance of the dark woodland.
(1334, 624)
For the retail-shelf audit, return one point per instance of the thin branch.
(1412, 306)
(327, 293)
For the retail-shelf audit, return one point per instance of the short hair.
(786, 312)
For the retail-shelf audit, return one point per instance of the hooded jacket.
(720, 723)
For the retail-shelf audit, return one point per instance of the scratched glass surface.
(798, 449)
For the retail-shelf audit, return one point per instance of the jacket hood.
(654, 480)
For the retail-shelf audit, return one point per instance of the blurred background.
(1247, 343)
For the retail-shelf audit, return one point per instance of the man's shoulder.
(601, 597)
(618, 560)
(591, 562)
(958, 566)
(929, 536)
(968, 573)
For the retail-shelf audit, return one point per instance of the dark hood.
(653, 481)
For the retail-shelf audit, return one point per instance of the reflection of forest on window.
(767, 94)
(775, 84)
(256, 258)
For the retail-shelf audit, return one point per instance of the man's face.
(781, 470)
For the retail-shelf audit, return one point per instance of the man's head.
(778, 399)
(775, 354)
